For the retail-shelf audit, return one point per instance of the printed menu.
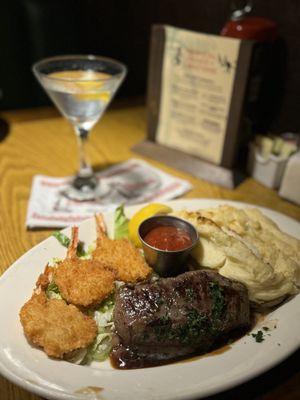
(197, 82)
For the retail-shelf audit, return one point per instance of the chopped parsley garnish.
(265, 328)
(190, 294)
(159, 301)
(259, 336)
(197, 324)
(218, 299)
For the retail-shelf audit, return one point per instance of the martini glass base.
(86, 189)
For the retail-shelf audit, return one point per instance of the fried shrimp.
(45, 278)
(119, 255)
(83, 282)
(55, 326)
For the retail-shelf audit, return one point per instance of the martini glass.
(81, 87)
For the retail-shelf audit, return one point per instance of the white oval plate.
(31, 369)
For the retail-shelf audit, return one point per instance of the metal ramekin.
(166, 262)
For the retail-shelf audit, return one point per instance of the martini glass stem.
(85, 176)
(85, 168)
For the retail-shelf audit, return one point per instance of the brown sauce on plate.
(211, 353)
(130, 360)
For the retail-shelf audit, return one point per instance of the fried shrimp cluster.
(60, 325)
(55, 326)
(120, 255)
(83, 282)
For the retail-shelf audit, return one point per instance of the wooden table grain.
(39, 141)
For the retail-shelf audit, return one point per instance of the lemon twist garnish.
(146, 212)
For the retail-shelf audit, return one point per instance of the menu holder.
(196, 90)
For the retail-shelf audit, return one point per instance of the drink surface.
(85, 75)
(81, 95)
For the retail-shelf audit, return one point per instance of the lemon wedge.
(146, 212)
(87, 85)
(104, 96)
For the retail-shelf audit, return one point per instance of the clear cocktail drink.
(81, 87)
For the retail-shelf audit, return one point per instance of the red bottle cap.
(251, 28)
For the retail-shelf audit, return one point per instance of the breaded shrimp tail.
(101, 228)
(83, 282)
(120, 255)
(44, 279)
(72, 249)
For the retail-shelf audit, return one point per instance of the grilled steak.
(173, 317)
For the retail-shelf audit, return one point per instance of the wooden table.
(40, 142)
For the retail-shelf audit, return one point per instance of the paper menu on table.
(131, 182)
(198, 76)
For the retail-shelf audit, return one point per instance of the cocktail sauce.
(168, 238)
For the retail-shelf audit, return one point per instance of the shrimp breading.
(55, 326)
(84, 282)
(120, 255)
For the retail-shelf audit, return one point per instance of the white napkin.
(131, 182)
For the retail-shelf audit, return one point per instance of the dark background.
(33, 29)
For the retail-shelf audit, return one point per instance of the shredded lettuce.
(76, 356)
(65, 241)
(107, 305)
(120, 231)
(52, 291)
(99, 350)
(101, 347)
(80, 250)
(121, 223)
(54, 262)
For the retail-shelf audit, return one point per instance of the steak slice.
(173, 317)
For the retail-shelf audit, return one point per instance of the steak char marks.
(174, 317)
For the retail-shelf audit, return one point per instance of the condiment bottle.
(267, 70)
